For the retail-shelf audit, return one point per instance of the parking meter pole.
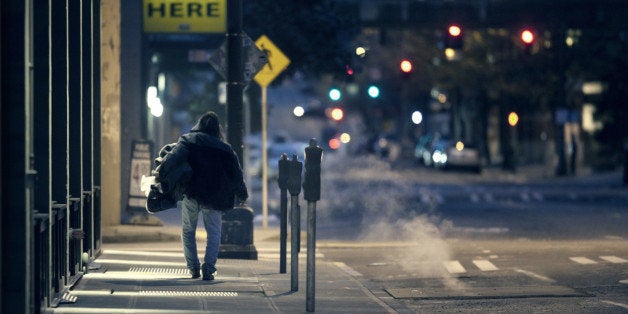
(311, 193)
(298, 225)
(294, 186)
(310, 288)
(294, 248)
(282, 180)
(283, 231)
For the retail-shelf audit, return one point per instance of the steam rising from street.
(368, 188)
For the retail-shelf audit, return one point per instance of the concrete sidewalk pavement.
(151, 277)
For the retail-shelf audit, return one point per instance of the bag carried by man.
(169, 181)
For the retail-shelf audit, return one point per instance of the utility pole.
(237, 224)
(235, 78)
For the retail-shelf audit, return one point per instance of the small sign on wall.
(141, 164)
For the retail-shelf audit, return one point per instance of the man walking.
(216, 183)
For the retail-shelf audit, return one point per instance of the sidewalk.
(150, 277)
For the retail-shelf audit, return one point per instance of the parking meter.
(282, 180)
(284, 169)
(294, 176)
(312, 182)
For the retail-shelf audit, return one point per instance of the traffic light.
(335, 94)
(527, 37)
(454, 37)
(373, 91)
(406, 68)
(349, 70)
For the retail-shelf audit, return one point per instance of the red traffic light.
(527, 36)
(405, 66)
(454, 30)
(349, 70)
(453, 37)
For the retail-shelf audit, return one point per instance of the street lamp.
(405, 66)
(298, 111)
(513, 119)
(360, 52)
(417, 117)
(336, 114)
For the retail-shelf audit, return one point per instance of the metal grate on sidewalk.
(158, 270)
(172, 293)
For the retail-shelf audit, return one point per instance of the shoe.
(195, 272)
(207, 275)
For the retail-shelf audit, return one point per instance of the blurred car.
(423, 150)
(387, 147)
(450, 154)
(275, 147)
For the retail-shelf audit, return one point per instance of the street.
(491, 275)
(424, 240)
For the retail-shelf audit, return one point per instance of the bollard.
(294, 186)
(236, 236)
(311, 193)
(282, 181)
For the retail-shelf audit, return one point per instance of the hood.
(196, 137)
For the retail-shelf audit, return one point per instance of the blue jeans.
(212, 219)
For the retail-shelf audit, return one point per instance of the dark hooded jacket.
(216, 174)
(216, 177)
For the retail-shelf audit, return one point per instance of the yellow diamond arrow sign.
(277, 61)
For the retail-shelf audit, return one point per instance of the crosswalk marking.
(534, 275)
(485, 265)
(614, 259)
(454, 267)
(347, 269)
(583, 260)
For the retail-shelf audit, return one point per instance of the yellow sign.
(185, 16)
(277, 61)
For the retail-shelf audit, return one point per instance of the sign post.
(277, 62)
